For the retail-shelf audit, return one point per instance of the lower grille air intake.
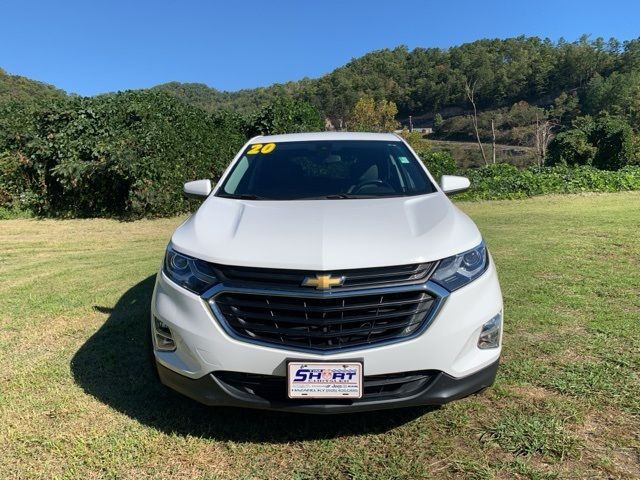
(375, 387)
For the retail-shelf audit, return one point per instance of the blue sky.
(90, 47)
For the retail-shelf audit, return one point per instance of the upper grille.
(354, 278)
(324, 323)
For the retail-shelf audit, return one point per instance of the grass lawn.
(78, 398)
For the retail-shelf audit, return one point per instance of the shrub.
(503, 181)
(124, 154)
(608, 143)
(571, 148)
(439, 163)
(418, 141)
(614, 139)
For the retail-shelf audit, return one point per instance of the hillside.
(242, 101)
(14, 88)
(424, 81)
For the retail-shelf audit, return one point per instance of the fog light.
(162, 337)
(490, 334)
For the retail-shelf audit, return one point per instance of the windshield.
(326, 170)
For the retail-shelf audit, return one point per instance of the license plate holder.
(324, 380)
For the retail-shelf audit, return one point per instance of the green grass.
(79, 400)
(525, 433)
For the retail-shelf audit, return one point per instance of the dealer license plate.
(324, 379)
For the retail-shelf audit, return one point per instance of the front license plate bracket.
(325, 380)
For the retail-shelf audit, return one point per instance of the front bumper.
(210, 390)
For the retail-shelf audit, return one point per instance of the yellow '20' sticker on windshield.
(261, 148)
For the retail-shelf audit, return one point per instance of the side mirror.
(453, 184)
(198, 189)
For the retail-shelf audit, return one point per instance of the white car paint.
(328, 234)
(198, 188)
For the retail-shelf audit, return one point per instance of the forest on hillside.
(426, 81)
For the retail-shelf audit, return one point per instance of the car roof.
(315, 136)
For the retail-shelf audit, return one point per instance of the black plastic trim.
(444, 388)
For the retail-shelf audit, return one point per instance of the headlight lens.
(188, 272)
(457, 271)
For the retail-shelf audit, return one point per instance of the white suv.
(327, 273)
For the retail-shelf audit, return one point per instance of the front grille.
(354, 278)
(324, 323)
(375, 387)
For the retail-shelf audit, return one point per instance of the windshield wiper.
(333, 196)
(336, 196)
(348, 195)
(243, 196)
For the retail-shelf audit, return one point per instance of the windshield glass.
(326, 170)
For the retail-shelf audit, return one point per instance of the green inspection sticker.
(403, 159)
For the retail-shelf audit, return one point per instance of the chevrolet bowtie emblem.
(323, 282)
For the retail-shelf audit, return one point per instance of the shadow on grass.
(114, 366)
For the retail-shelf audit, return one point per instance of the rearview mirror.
(453, 184)
(198, 189)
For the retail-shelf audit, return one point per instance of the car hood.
(326, 234)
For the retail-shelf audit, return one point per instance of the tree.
(438, 121)
(607, 143)
(572, 147)
(469, 88)
(370, 116)
(387, 112)
(364, 116)
(618, 94)
(493, 140)
(286, 115)
(565, 109)
(543, 135)
(615, 143)
(535, 127)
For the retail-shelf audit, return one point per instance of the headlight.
(459, 270)
(188, 272)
